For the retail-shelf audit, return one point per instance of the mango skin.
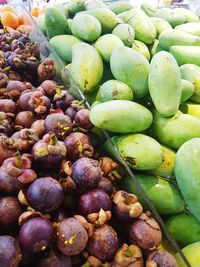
(190, 27)
(161, 25)
(134, 149)
(62, 45)
(192, 253)
(129, 118)
(184, 228)
(106, 44)
(186, 54)
(106, 17)
(187, 172)
(86, 27)
(166, 169)
(141, 48)
(155, 48)
(175, 131)
(87, 76)
(125, 32)
(76, 6)
(135, 73)
(120, 6)
(56, 23)
(173, 37)
(165, 83)
(187, 90)
(191, 109)
(114, 90)
(191, 73)
(149, 9)
(188, 14)
(165, 197)
(145, 30)
(169, 15)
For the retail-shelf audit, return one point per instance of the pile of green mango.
(139, 68)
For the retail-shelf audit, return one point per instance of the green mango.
(62, 45)
(96, 4)
(192, 253)
(62, 10)
(186, 54)
(176, 130)
(106, 17)
(120, 6)
(171, 16)
(56, 23)
(145, 30)
(161, 25)
(141, 48)
(188, 14)
(155, 48)
(191, 109)
(165, 197)
(190, 27)
(87, 76)
(134, 149)
(173, 37)
(191, 73)
(114, 90)
(187, 172)
(106, 44)
(166, 169)
(40, 21)
(149, 9)
(121, 116)
(125, 32)
(165, 83)
(86, 27)
(187, 90)
(184, 228)
(76, 6)
(132, 68)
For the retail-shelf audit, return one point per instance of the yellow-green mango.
(175, 131)
(173, 37)
(86, 27)
(166, 169)
(171, 16)
(62, 45)
(192, 253)
(87, 76)
(165, 197)
(106, 44)
(191, 73)
(155, 47)
(121, 116)
(184, 228)
(161, 25)
(190, 27)
(187, 175)
(125, 32)
(132, 68)
(191, 109)
(187, 90)
(186, 54)
(114, 90)
(106, 17)
(149, 9)
(165, 83)
(141, 48)
(95, 4)
(135, 148)
(76, 6)
(120, 6)
(188, 14)
(145, 30)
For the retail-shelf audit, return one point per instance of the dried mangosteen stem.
(115, 175)
(53, 140)
(6, 69)
(18, 159)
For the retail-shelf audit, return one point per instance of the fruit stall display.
(139, 69)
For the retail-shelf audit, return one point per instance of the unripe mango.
(187, 90)
(190, 27)
(188, 14)
(191, 108)
(125, 32)
(161, 25)
(121, 116)
(171, 16)
(120, 6)
(141, 48)
(192, 253)
(186, 54)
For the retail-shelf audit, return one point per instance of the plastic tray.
(46, 51)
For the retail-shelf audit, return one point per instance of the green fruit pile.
(140, 70)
